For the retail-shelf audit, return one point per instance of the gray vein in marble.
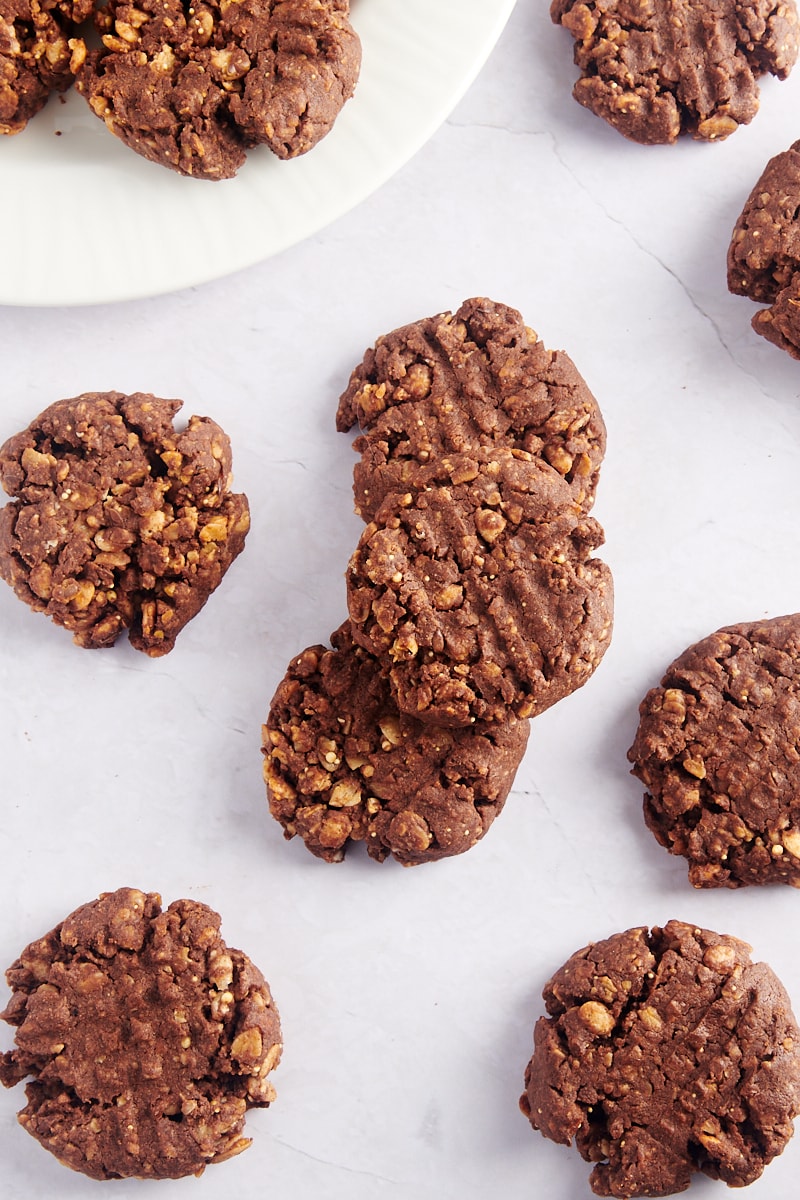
(326, 1162)
(635, 240)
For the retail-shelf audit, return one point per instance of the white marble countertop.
(408, 998)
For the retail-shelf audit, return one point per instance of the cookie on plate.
(717, 750)
(764, 253)
(342, 765)
(39, 55)
(119, 521)
(146, 1039)
(455, 381)
(482, 596)
(657, 70)
(195, 87)
(665, 1052)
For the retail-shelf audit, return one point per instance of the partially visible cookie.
(194, 87)
(665, 1052)
(482, 596)
(658, 70)
(39, 55)
(764, 253)
(342, 765)
(455, 381)
(145, 1037)
(780, 323)
(717, 750)
(118, 520)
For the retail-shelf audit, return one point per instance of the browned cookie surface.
(455, 381)
(482, 596)
(194, 87)
(780, 323)
(39, 54)
(717, 750)
(665, 1053)
(146, 1038)
(343, 765)
(764, 253)
(655, 70)
(119, 521)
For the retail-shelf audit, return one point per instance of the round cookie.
(665, 1053)
(343, 765)
(657, 70)
(194, 87)
(38, 55)
(452, 382)
(717, 750)
(119, 522)
(764, 252)
(146, 1037)
(481, 596)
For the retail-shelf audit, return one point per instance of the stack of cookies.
(474, 600)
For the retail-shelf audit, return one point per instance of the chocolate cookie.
(119, 521)
(764, 254)
(194, 87)
(39, 54)
(665, 1053)
(717, 750)
(452, 382)
(481, 596)
(654, 71)
(343, 765)
(146, 1037)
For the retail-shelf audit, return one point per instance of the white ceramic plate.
(86, 221)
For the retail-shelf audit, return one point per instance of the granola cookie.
(146, 1038)
(39, 54)
(657, 70)
(455, 381)
(665, 1052)
(481, 595)
(195, 87)
(764, 253)
(342, 765)
(119, 522)
(717, 750)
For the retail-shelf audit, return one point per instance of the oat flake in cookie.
(655, 69)
(39, 54)
(482, 596)
(665, 1053)
(448, 383)
(718, 749)
(764, 253)
(145, 1037)
(195, 86)
(118, 520)
(342, 765)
